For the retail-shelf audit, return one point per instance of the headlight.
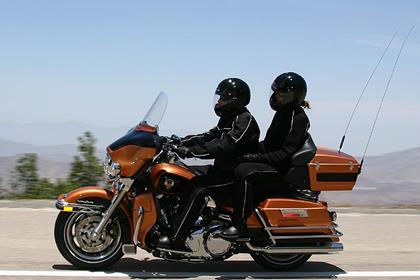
(115, 169)
(112, 169)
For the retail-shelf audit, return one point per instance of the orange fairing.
(131, 158)
(94, 192)
(145, 127)
(163, 168)
(331, 170)
(149, 215)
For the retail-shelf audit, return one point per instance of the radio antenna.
(385, 92)
(364, 89)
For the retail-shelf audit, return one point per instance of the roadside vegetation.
(86, 170)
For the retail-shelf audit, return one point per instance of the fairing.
(140, 144)
(132, 158)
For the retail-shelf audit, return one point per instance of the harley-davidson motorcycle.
(147, 180)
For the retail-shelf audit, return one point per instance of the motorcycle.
(96, 225)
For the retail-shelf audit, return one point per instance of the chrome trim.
(124, 188)
(273, 238)
(337, 234)
(129, 249)
(303, 213)
(329, 248)
(334, 226)
(175, 251)
(273, 241)
(127, 182)
(331, 164)
(137, 228)
(77, 207)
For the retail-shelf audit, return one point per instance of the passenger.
(236, 134)
(286, 135)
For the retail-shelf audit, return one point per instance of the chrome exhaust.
(329, 248)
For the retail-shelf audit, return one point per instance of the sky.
(104, 62)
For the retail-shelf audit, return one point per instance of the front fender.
(87, 196)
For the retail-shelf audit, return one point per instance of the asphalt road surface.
(377, 244)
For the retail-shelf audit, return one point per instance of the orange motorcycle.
(97, 225)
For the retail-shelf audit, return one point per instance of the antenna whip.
(364, 89)
(385, 92)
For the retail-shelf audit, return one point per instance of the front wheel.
(280, 262)
(73, 238)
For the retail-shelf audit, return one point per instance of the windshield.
(156, 111)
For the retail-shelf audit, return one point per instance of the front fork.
(123, 187)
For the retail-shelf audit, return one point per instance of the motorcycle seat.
(295, 181)
(305, 154)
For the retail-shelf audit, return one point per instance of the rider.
(236, 133)
(286, 134)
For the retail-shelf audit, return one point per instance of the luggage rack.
(273, 237)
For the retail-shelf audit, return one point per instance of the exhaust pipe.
(326, 249)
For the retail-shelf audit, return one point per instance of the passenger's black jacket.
(286, 135)
(236, 133)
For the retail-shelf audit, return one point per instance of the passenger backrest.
(298, 174)
(305, 154)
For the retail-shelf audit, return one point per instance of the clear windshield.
(156, 111)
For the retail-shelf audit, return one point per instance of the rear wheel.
(73, 238)
(279, 261)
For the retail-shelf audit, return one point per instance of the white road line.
(375, 214)
(276, 275)
(11, 209)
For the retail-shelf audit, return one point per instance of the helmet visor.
(281, 97)
(221, 99)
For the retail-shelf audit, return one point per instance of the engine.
(205, 243)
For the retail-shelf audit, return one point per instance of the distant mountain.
(367, 192)
(53, 134)
(10, 148)
(396, 167)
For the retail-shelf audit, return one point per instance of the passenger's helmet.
(231, 94)
(287, 89)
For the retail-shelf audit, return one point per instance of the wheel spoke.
(79, 240)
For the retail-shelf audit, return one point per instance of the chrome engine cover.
(205, 244)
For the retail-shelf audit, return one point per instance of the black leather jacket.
(284, 137)
(236, 134)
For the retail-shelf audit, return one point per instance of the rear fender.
(90, 200)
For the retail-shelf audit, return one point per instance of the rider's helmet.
(287, 89)
(231, 94)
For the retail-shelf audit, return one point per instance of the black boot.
(177, 245)
(233, 233)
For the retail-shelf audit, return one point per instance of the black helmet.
(231, 94)
(288, 88)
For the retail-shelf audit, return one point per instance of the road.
(376, 246)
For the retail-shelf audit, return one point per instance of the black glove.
(183, 152)
(250, 158)
(175, 139)
(165, 140)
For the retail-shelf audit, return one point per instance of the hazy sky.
(103, 62)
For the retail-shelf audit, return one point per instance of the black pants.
(252, 180)
(212, 182)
